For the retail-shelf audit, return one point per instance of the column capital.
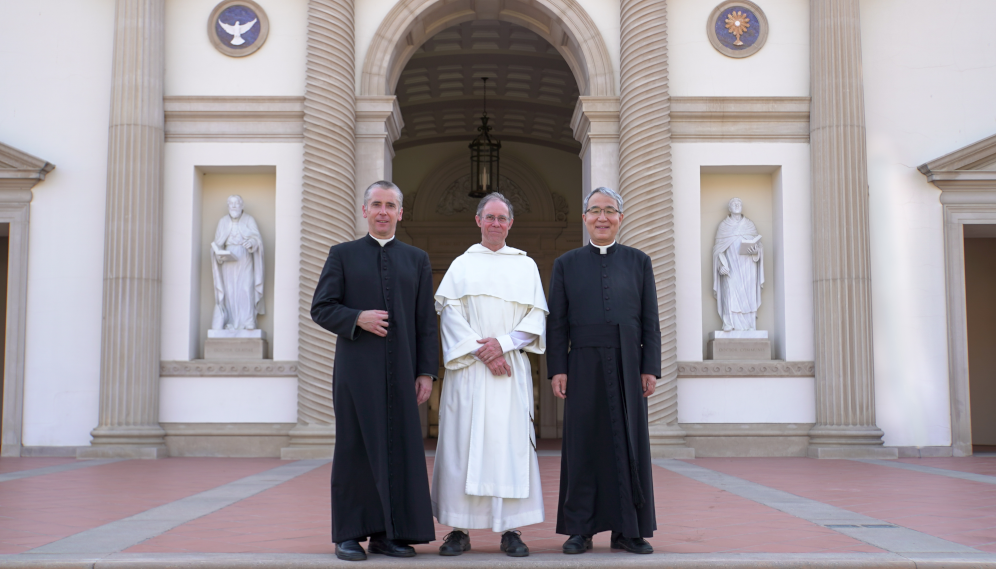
(377, 116)
(595, 118)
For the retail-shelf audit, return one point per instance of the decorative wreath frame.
(264, 28)
(762, 22)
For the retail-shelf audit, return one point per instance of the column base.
(308, 442)
(848, 442)
(146, 442)
(668, 441)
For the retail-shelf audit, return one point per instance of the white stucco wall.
(923, 99)
(228, 400)
(54, 104)
(780, 68)
(195, 67)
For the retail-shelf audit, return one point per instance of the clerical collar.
(602, 249)
(382, 241)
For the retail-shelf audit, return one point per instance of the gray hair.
(495, 196)
(236, 197)
(607, 191)
(383, 185)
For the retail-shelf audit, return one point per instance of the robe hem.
(487, 522)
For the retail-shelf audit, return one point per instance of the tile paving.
(290, 521)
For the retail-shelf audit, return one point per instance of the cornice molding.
(967, 175)
(740, 119)
(234, 119)
(721, 368)
(217, 368)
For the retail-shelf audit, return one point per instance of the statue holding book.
(237, 267)
(737, 270)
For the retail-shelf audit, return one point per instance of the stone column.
(378, 125)
(845, 382)
(129, 367)
(328, 215)
(645, 184)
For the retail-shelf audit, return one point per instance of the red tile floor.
(692, 517)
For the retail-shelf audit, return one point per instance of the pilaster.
(129, 375)
(845, 382)
(645, 184)
(328, 215)
(378, 125)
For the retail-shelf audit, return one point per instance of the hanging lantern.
(484, 156)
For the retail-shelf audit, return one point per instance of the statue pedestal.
(235, 345)
(739, 345)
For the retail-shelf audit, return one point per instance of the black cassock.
(603, 308)
(379, 480)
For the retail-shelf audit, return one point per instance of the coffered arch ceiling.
(531, 89)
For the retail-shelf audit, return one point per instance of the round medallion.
(238, 28)
(737, 28)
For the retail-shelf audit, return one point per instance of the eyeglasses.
(598, 211)
(491, 218)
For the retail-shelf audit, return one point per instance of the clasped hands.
(492, 356)
(559, 384)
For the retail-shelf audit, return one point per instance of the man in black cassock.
(603, 305)
(375, 293)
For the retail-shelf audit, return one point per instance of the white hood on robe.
(483, 272)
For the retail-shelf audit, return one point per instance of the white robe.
(486, 473)
(738, 295)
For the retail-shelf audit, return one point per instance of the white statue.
(237, 266)
(737, 270)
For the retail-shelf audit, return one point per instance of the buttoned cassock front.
(379, 478)
(604, 308)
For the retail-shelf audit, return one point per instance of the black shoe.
(350, 550)
(390, 547)
(631, 544)
(577, 544)
(455, 543)
(511, 544)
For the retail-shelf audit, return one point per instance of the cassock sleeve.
(427, 337)
(327, 309)
(650, 362)
(557, 326)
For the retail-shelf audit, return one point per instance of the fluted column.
(328, 215)
(129, 367)
(645, 184)
(845, 380)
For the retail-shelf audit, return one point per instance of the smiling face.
(493, 231)
(234, 207)
(602, 228)
(382, 212)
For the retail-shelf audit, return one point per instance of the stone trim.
(773, 368)
(563, 23)
(234, 119)
(740, 119)
(228, 429)
(210, 368)
(19, 173)
(926, 452)
(747, 439)
(968, 197)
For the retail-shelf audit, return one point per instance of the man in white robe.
(737, 279)
(492, 308)
(237, 268)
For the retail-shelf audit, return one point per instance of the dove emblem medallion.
(237, 28)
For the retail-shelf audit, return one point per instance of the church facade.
(858, 136)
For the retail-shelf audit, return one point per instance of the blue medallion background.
(726, 38)
(242, 14)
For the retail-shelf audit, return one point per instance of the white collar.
(602, 248)
(382, 241)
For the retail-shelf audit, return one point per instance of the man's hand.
(499, 367)
(423, 388)
(559, 385)
(490, 350)
(374, 321)
(649, 383)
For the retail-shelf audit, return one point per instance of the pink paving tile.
(39, 510)
(974, 464)
(692, 517)
(8, 465)
(957, 510)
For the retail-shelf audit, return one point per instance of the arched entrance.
(420, 104)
